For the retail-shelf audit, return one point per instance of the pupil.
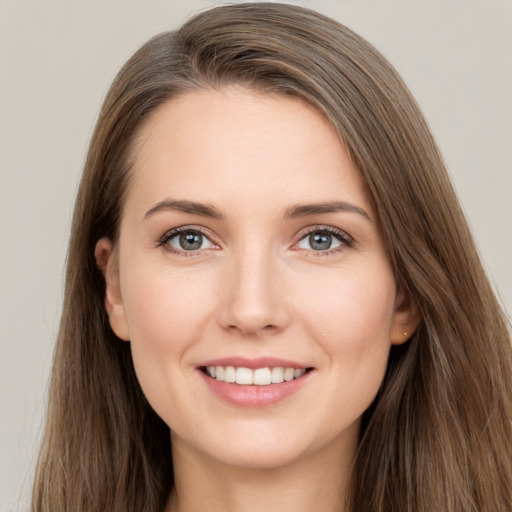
(190, 241)
(320, 241)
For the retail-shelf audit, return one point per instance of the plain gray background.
(57, 60)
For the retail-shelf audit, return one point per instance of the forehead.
(235, 143)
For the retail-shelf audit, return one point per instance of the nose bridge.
(252, 299)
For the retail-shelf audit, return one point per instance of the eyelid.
(171, 233)
(345, 239)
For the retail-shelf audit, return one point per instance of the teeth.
(289, 373)
(230, 374)
(219, 372)
(244, 376)
(262, 377)
(258, 377)
(277, 375)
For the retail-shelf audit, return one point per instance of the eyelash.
(341, 236)
(345, 240)
(167, 237)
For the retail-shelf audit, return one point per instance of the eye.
(323, 240)
(186, 240)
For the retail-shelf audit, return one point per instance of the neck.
(318, 481)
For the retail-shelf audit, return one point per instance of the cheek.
(350, 319)
(164, 309)
(351, 315)
(166, 312)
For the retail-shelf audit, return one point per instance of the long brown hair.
(438, 437)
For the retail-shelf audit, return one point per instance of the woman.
(272, 296)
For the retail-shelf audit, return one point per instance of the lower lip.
(255, 396)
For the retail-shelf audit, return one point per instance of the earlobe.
(406, 319)
(106, 260)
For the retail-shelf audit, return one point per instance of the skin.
(256, 287)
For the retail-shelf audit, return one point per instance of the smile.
(255, 382)
(257, 377)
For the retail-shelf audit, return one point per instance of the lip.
(253, 364)
(253, 396)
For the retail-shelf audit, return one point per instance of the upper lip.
(254, 363)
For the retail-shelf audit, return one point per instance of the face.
(249, 251)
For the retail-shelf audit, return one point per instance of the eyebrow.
(305, 210)
(204, 210)
(294, 212)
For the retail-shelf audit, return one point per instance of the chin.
(257, 457)
(260, 445)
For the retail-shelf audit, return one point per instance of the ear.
(406, 319)
(106, 259)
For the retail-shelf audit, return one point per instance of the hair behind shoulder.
(439, 434)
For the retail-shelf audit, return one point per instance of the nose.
(252, 297)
